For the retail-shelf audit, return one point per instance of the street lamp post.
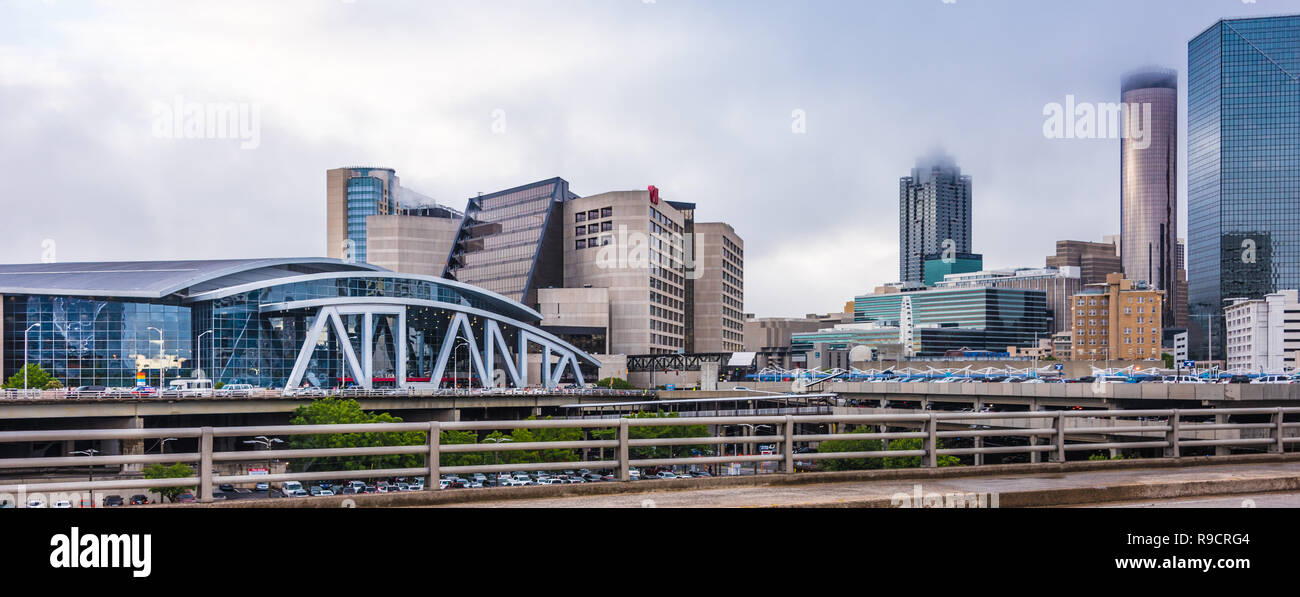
(455, 369)
(163, 444)
(266, 442)
(90, 470)
(25, 334)
(496, 440)
(198, 345)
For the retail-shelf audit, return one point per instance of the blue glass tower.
(1243, 171)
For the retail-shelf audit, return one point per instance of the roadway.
(1136, 486)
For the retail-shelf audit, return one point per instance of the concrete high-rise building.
(351, 195)
(934, 215)
(1263, 335)
(1094, 260)
(1243, 183)
(1118, 320)
(717, 294)
(512, 242)
(632, 244)
(1149, 181)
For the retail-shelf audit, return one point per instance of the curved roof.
(206, 280)
(156, 279)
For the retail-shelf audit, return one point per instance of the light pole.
(455, 369)
(90, 469)
(496, 440)
(267, 442)
(199, 347)
(163, 443)
(160, 358)
(753, 430)
(25, 334)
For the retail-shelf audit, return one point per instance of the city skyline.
(800, 116)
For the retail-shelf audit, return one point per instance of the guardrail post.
(788, 431)
(1059, 439)
(1279, 430)
(623, 460)
(435, 453)
(1173, 451)
(932, 441)
(205, 465)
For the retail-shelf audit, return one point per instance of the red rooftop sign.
(654, 194)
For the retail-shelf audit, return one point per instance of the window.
(580, 230)
(606, 226)
(580, 244)
(580, 217)
(593, 214)
(606, 212)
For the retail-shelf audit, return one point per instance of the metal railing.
(126, 393)
(1049, 435)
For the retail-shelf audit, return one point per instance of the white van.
(191, 387)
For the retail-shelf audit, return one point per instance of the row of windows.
(604, 212)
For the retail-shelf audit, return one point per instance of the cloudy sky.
(697, 97)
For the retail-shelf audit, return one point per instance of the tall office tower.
(1180, 274)
(512, 242)
(351, 194)
(1094, 260)
(1149, 181)
(631, 243)
(934, 215)
(717, 296)
(1243, 183)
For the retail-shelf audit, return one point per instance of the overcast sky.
(696, 97)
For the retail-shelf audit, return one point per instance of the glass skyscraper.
(934, 215)
(1243, 171)
(1149, 181)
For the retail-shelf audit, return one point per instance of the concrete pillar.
(128, 446)
(979, 443)
(1221, 450)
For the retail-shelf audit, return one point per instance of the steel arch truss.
(484, 353)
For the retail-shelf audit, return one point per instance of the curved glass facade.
(257, 335)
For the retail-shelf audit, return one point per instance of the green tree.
(37, 378)
(333, 411)
(1169, 360)
(175, 471)
(615, 383)
(454, 437)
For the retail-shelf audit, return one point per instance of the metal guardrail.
(1052, 438)
(124, 394)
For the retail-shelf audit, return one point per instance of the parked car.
(226, 487)
(113, 501)
(139, 499)
(35, 503)
(86, 503)
(185, 498)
